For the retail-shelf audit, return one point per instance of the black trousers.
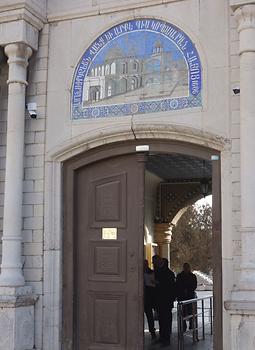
(188, 311)
(165, 322)
(149, 315)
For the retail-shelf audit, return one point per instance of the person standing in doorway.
(186, 284)
(149, 297)
(165, 295)
(172, 292)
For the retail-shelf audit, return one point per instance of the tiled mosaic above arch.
(137, 67)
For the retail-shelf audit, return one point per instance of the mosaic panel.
(137, 67)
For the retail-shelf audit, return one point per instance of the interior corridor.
(173, 182)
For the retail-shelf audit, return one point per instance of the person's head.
(145, 264)
(165, 262)
(157, 261)
(186, 267)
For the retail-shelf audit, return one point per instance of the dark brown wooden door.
(108, 310)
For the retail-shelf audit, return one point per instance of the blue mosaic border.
(144, 107)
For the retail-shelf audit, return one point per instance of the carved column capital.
(163, 233)
(18, 55)
(245, 16)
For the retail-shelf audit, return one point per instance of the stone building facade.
(42, 46)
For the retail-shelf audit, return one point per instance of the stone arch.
(120, 132)
(182, 211)
(53, 215)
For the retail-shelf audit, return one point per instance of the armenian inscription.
(137, 67)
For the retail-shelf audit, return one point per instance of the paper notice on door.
(109, 232)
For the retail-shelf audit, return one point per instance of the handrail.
(189, 301)
(192, 315)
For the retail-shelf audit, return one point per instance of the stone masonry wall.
(33, 199)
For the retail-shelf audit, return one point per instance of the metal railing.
(198, 315)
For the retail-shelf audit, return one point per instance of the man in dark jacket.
(165, 296)
(149, 296)
(186, 284)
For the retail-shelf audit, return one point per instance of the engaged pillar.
(11, 268)
(16, 300)
(245, 16)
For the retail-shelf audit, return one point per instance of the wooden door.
(107, 294)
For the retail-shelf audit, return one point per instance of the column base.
(241, 308)
(247, 279)
(17, 318)
(12, 278)
(247, 268)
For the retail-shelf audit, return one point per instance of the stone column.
(11, 268)
(16, 300)
(245, 16)
(163, 237)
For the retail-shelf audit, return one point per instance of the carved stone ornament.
(245, 16)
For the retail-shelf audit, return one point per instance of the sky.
(139, 42)
(203, 201)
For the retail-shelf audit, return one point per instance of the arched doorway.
(97, 293)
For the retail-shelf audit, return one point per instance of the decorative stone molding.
(240, 306)
(234, 4)
(245, 16)
(33, 12)
(115, 133)
(17, 297)
(19, 31)
(20, 22)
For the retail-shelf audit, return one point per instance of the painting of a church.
(118, 76)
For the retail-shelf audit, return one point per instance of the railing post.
(193, 323)
(180, 326)
(203, 320)
(193, 316)
(211, 315)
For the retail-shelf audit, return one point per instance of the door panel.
(108, 272)
(108, 261)
(107, 320)
(108, 201)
